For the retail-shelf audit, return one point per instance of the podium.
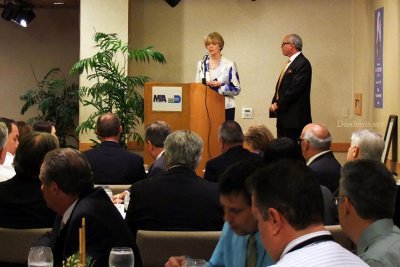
(202, 111)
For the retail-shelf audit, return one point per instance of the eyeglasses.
(285, 43)
(299, 140)
(336, 200)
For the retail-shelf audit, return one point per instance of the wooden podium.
(203, 111)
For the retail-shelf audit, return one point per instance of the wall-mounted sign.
(378, 58)
(166, 98)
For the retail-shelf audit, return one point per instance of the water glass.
(195, 263)
(40, 257)
(121, 257)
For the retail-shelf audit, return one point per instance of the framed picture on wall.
(391, 139)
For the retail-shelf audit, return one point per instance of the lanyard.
(316, 239)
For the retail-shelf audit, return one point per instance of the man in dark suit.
(178, 199)
(315, 144)
(230, 140)
(110, 162)
(67, 185)
(291, 102)
(155, 135)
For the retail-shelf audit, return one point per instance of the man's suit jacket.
(111, 164)
(177, 200)
(327, 170)
(22, 205)
(105, 229)
(158, 167)
(294, 108)
(216, 166)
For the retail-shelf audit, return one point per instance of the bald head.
(316, 138)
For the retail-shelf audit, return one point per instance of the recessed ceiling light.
(58, 3)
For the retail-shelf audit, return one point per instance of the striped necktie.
(251, 259)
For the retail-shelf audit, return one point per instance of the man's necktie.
(251, 259)
(280, 78)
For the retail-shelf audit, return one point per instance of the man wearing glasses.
(366, 204)
(291, 102)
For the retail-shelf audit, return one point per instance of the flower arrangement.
(74, 261)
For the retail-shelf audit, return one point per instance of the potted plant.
(57, 101)
(113, 89)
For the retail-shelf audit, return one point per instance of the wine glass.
(195, 263)
(121, 257)
(40, 257)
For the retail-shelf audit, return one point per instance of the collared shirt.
(68, 213)
(379, 244)
(8, 161)
(159, 155)
(6, 172)
(231, 250)
(327, 253)
(293, 57)
(310, 160)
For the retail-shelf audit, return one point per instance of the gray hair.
(230, 132)
(296, 41)
(316, 142)
(371, 144)
(183, 148)
(3, 135)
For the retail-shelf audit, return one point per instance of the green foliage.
(56, 101)
(113, 90)
(74, 261)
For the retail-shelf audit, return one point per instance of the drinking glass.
(40, 257)
(195, 263)
(121, 257)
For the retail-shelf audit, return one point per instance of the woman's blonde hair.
(214, 37)
(258, 136)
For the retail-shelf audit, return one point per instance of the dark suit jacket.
(111, 164)
(177, 200)
(22, 205)
(294, 108)
(327, 170)
(216, 166)
(158, 167)
(105, 229)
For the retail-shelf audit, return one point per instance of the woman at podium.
(219, 73)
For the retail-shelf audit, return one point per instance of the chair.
(15, 243)
(116, 188)
(156, 247)
(340, 237)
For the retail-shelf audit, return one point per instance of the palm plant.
(57, 101)
(113, 89)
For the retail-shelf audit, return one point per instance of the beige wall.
(51, 40)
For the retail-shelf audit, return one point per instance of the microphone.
(203, 80)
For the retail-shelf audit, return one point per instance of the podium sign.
(166, 98)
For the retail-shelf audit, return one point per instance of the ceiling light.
(18, 12)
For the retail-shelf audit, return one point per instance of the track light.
(18, 12)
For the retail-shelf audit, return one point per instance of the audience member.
(23, 129)
(110, 162)
(286, 148)
(67, 185)
(155, 135)
(240, 239)
(230, 139)
(45, 126)
(366, 144)
(177, 199)
(256, 138)
(3, 141)
(7, 171)
(287, 203)
(21, 200)
(366, 206)
(315, 142)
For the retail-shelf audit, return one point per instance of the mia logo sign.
(167, 98)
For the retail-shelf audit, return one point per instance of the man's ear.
(347, 205)
(356, 152)
(275, 219)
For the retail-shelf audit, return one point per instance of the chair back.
(340, 237)
(156, 247)
(15, 243)
(116, 188)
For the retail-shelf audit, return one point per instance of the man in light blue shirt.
(367, 195)
(240, 225)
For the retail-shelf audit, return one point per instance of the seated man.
(234, 248)
(287, 202)
(366, 144)
(68, 189)
(178, 199)
(155, 135)
(230, 139)
(7, 170)
(3, 141)
(366, 205)
(110, 162)
(315, 144)
(21, 201)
